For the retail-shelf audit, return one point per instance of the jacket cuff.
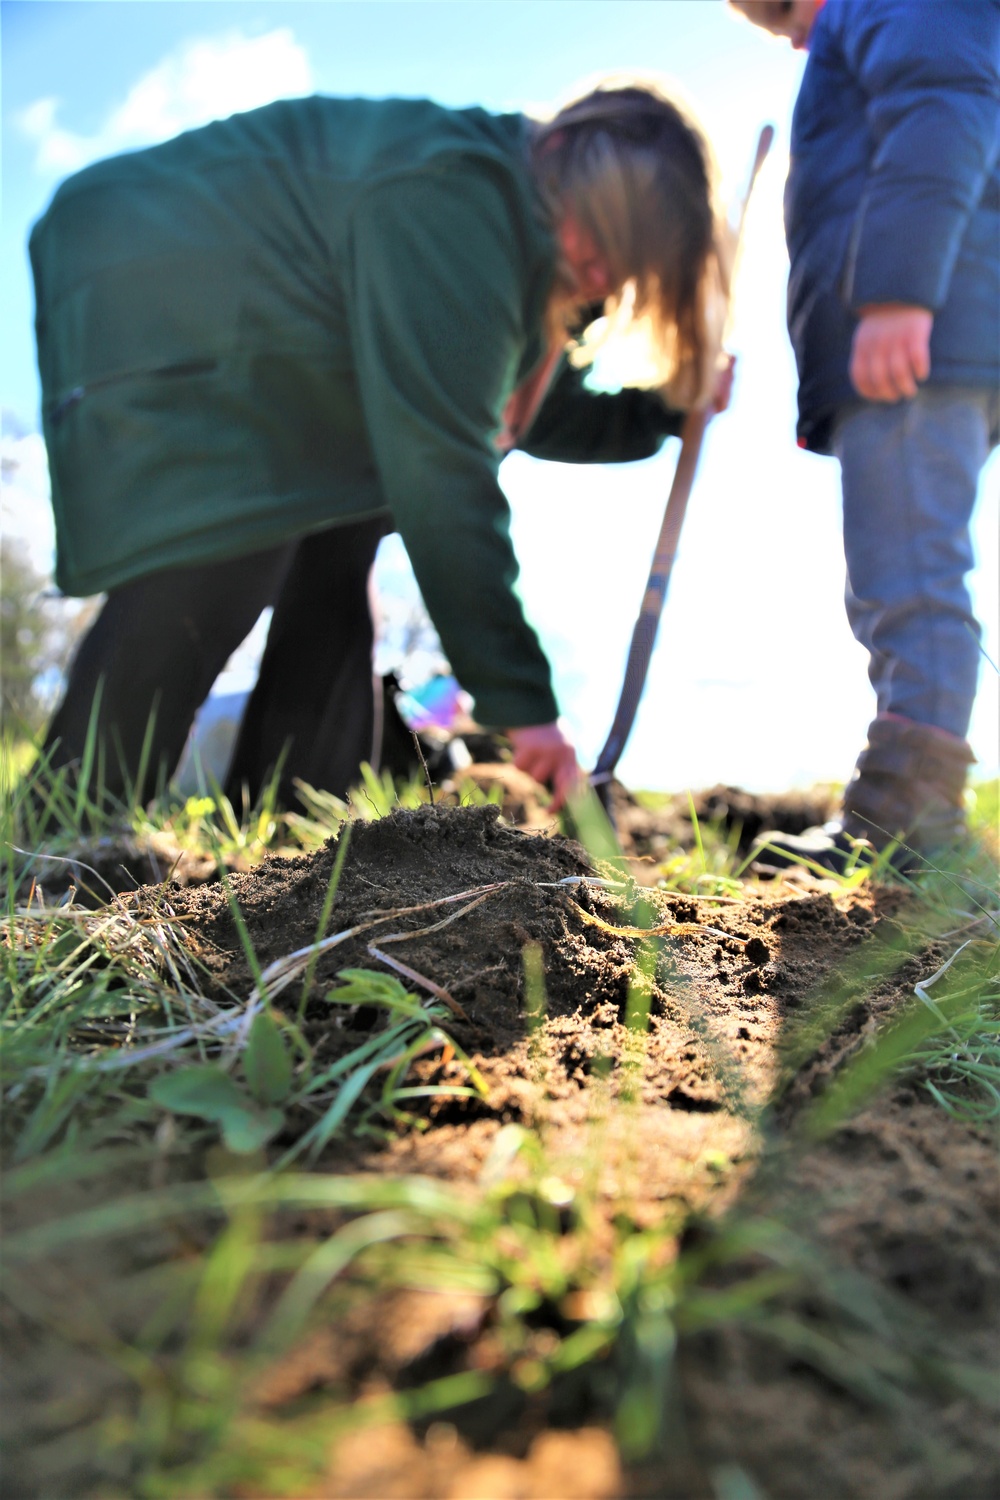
(514, 709)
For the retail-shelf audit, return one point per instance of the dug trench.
(754, 1004)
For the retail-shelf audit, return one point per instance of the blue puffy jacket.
(893, 191)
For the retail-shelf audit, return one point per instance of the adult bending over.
(270, 340)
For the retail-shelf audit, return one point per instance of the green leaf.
(381, 790)
(385, 1043)
(316, 1138)
(369, 987)
(52, 1112)
(266, 1063)
(210, 1094)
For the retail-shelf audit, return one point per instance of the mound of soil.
(99, 867)
(902, 1193)
(414, 859)
(648, 832)
(650, 828)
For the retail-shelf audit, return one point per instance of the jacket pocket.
(171, 314)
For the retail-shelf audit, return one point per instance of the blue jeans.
(910, 473)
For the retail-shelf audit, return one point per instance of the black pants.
(160, 642)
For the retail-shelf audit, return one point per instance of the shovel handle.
(644, 634)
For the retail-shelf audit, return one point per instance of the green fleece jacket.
(303, 315)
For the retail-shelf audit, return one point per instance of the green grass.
(192, 1120)
(50, 815)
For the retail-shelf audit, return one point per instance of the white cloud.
(203, 80)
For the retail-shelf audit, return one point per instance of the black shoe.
(830, 848)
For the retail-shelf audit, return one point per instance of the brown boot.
(908, 785)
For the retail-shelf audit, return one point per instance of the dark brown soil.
(901, 1194)
(648, 832)
(755, 1003)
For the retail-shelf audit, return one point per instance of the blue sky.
(756, 678)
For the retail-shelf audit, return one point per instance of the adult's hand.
(723, 389)
(891, 352)
(544, 752)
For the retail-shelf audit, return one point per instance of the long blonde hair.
(636, 174)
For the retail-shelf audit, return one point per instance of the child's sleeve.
(930, 74)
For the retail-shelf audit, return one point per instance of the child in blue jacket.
(892, 216)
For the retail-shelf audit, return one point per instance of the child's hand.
(891, 351)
